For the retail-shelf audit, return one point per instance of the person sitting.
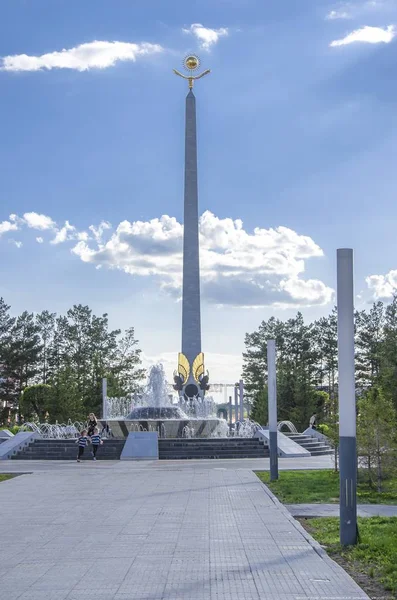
(91, 424)
(313, 421)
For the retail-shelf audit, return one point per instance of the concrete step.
(201, 451)
(208, 457)
(309, 445)
(315, 446)
(210, 441)
(67, 450)
(193, 448)
(198, 445)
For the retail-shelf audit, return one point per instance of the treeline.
(307, 369)
(307, 361)
(51, 366)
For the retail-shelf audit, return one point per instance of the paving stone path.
(131, 531)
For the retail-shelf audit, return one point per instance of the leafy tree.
(124, 371)
(70, 353)
(376, 433)
(330, 424)
(67, 402)
(259, 411)
(36, 400)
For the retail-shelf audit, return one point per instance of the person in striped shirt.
(96, 442)
(82, 441)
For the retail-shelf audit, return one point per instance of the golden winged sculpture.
(198, 367)
(183, 367)
(191, 63)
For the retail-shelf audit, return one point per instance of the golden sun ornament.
(191, 63)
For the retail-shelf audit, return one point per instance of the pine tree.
(6, 325)
(325, 337)
(388, 369)
(369, 341)
(21, 363)
(46, 326)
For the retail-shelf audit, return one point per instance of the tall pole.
(241, 394)
(272, 404)
(104, 398)
(347, 399)
(236, 404)
(230, 410)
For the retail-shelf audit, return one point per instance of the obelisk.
(191, 317)
(190, 379)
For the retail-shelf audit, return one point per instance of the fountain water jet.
(154, 411)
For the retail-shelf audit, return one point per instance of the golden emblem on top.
(191, 64)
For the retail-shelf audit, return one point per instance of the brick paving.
(129, 531)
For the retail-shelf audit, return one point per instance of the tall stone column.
(191, 316)
(190, 379)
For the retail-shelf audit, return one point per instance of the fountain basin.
(166, 428)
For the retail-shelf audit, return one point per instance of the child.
(95, 441)
(82, 442)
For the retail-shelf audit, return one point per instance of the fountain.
(154, 411)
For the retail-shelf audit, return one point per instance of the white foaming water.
(156, 392)
(118, 408)
(156, 396)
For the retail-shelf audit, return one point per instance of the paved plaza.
(157, 531)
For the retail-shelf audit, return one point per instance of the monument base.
(141, 445)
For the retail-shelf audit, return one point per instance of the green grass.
(376, 553)
(322, 486)
(4, 477)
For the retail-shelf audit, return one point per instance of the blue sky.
(297, 138)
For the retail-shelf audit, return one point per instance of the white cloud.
(41, 222)
(93, 55)
(37, 221)
(16, 243)
(237, 267)
(6, 226)
(338, 14)
(369, 35)
(383, 287)
(63, 234)
(98, 231)
(207, 37)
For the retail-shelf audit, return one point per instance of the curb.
(311, 541)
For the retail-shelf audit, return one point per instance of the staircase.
(312, 444)
(67, 450)
(185, 448)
